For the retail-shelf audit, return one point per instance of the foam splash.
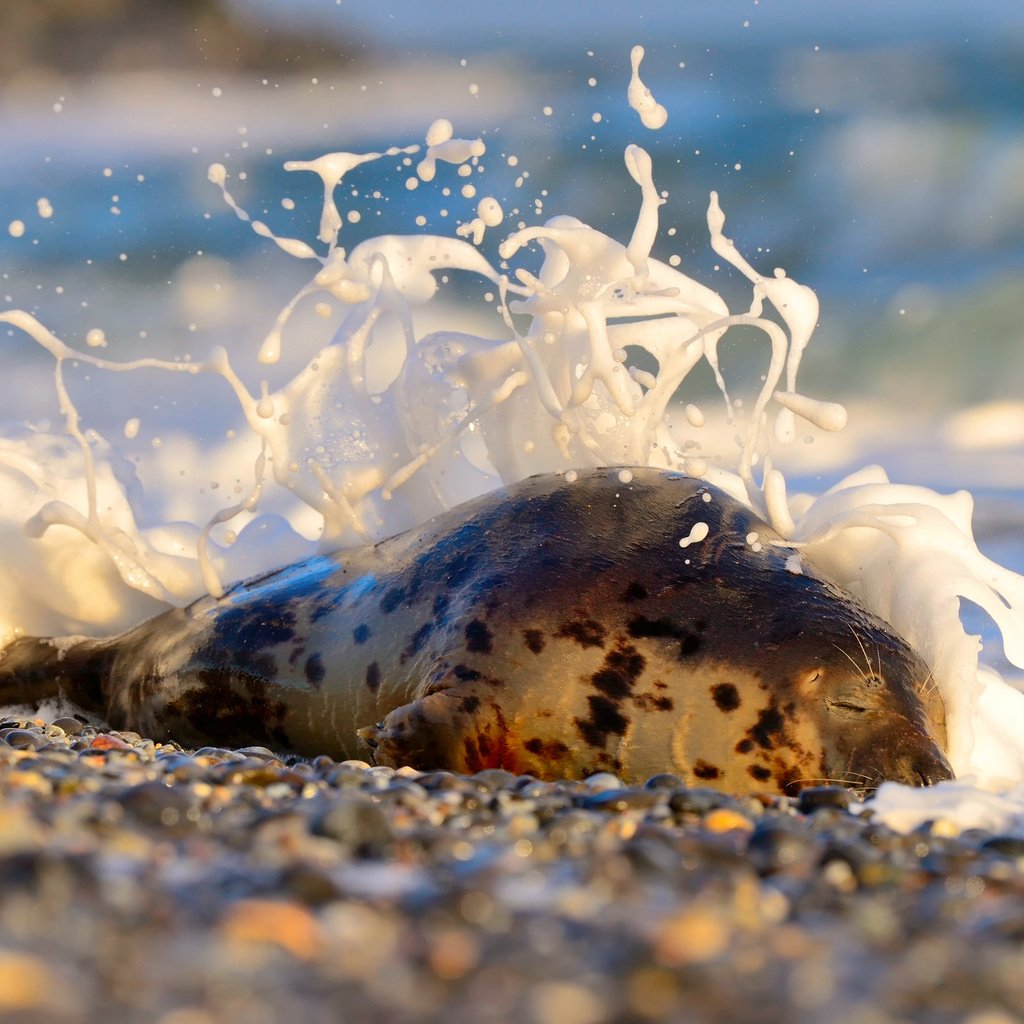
(652, 113)
(371, 436)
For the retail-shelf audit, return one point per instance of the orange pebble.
(724, 820)
(107, 742)
(287, 925)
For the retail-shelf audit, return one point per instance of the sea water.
(576, 350)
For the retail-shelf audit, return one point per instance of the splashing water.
(369, 437)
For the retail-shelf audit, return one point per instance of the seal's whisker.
(866, 671)
(851, 659)
(845, 776)
(856, 782)
(823, 781)
(928, 687)
(863, 650)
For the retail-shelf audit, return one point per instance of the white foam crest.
(910, 555)
(91, 578)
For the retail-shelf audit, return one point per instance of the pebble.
(700, 801)
(22, 739)
(619, 800)
(815, 798)
(27, 984)
(272, 922)
(601, 781)
(69, 726)
(722, 819)
(358, 823)
(142, 882)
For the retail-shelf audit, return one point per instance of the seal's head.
(879, 712)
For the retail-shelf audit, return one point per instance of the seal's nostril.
(926, 771)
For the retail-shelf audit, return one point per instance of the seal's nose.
(924, 769)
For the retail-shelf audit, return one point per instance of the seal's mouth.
(911, 765)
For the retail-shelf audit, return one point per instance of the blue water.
(905, 125)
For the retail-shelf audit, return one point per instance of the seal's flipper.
(446, 728)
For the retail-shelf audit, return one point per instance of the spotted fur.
(551, 628)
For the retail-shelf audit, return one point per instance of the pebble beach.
(145, 883)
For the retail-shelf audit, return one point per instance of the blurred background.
(874, 150)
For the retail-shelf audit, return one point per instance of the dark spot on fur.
(759, 772)
(228, 706)
(315, 670)
(361, 634)
(744, 746)
(703, 770)
(649, 702)
(465, 674)
(618, 675)
(726, 696)
(483, 744)
(440, 605)
(610, 683)
(459, 554)
(552, 750)
(392, 598)
(469, 704)
(373, 677)
(689, 644)
(643, 627)
(586, 632)
(479, 639)
(534, 640)
(788, 780)
(244, 651)
(324, 604)
(634, 592)
(417, 640)
(605, 720)
(765, 731)
(245, 661)
(700, 625)
(252, 627)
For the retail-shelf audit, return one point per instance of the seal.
(553, 628)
